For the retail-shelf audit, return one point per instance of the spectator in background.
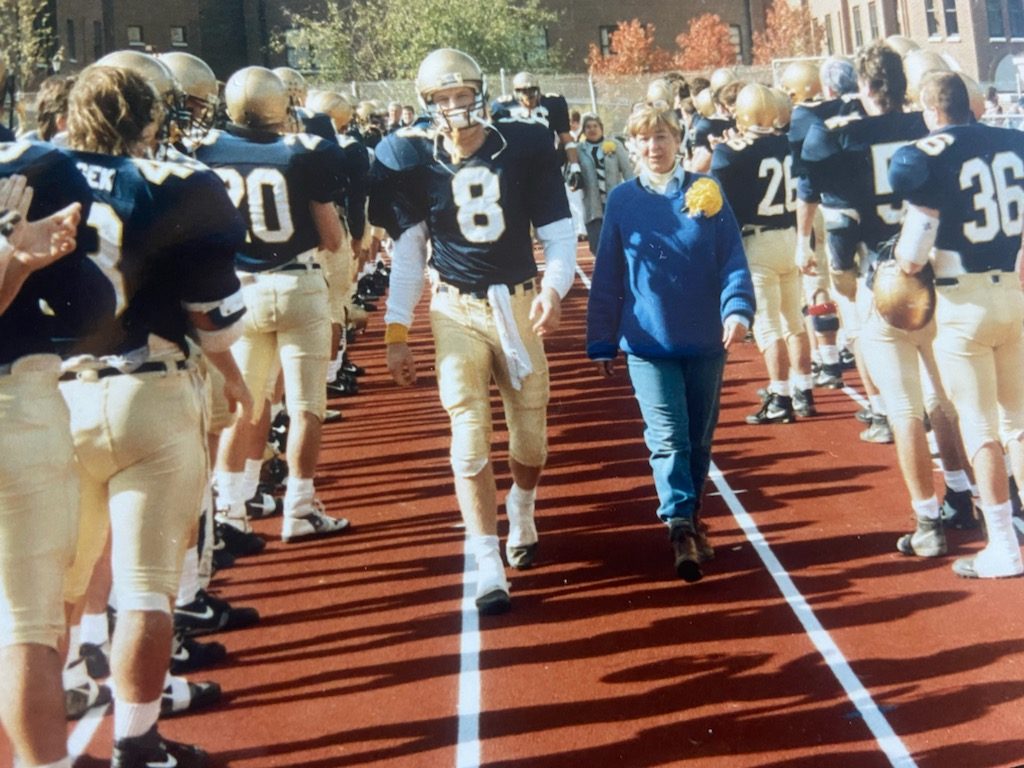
(394, 116)
(605, 164)
(408, 115)
(671, 241)
(575, 128)
(51, 109)
(992, 105)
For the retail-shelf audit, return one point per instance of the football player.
(166, 236)
(549, 109)
(716, 119)
(965, 186)
(198, 85)
(818, 93)
(470, 190)
(284, 184)
(39, 497)
(754, 171)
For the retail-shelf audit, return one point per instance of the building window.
(736, 37)
(1016, 18)
(952, 26)
(604, 36)
(830, 41)
(135, 35)
(178, 37)
(873, 20)
(71, 44)
(858, 31)
(996, 28)
(932, 18)
(97, 40)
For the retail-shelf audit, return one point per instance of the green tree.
(387, 39)
(26, 42)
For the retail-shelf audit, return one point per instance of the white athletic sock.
(131, 720)
(93, 628)
(250, 478)
(230, 501)
(189, 584)
(877, 405)
(956, 480)
(929, 508)
(803, 381)
(780, 388)
(829, 354)
(298, 496)
(519, 506)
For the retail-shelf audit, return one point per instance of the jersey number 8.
(477, 195)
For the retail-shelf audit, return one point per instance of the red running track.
(606, 658)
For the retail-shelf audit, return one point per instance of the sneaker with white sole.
(181, 696)
(150, 750)
(492, 587)
(927, 540)
(313, 524)
(521, 545)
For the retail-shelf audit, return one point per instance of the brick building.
(982, 35)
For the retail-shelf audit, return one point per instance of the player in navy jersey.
(39, 496)
(472, 190)
(166, 237)
(846, 160)
(551, 110)
(720, 124)
(835, 82)
(285, 186)
(754, 171)
(965, 186)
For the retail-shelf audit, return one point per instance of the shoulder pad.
(402, 151)
(935, 144)
(308, 140)
(524, 118)
(504, 100)
(840, 121)
(552, 96)
(157, 172)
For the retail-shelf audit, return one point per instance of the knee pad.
(824, 317)
(467, 467)
(152, 602)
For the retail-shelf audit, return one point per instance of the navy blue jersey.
(706, 127)
(167, 235)
(552, 110)
(357, 171)
(66, 298)
(805, 115)
(479, 211)
(6, 134)
(848, 159)
(974, 176)
(272, 179)
(754, 172)
(317, 124)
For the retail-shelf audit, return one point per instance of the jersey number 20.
(253, 188)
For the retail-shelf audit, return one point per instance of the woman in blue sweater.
(672, 290)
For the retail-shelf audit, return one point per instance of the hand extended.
(402, 364)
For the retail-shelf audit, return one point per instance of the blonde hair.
(109, 110)
(647, 119)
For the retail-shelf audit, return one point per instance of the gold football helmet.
(526, 87)
(334, 105)
(757, 108)
(255, 97)
(294, 82)
(902, 45)
(721, 77)
(704, 104)
(784, 107)
(916, 65)
(199, 86)
(800, 79)
(659, 94)
(449, 68)
(975, 95)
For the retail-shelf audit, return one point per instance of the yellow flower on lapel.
(608, 147)
(703, 198)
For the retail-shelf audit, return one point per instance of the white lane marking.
(467, 753)
(81, 735)
(887, 739)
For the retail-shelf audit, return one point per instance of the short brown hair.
(946, 93)
(647, 119)
(109, 110)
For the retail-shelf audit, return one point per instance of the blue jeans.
(678, 400)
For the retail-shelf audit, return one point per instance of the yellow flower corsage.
(703, 198)
(608, 147)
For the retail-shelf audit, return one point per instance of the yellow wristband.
(396, 333)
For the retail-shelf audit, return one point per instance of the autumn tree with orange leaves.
(706, 44)
(633, 52)
(789, 31)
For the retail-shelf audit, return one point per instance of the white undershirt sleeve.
(405, 285)
(559, 242)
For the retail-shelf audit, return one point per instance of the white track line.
(82, 734)
(467, 753)
(887, 739)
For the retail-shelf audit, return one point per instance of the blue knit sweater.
(665, 282)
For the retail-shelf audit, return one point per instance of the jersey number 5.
(477, 195)
(999, 199)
